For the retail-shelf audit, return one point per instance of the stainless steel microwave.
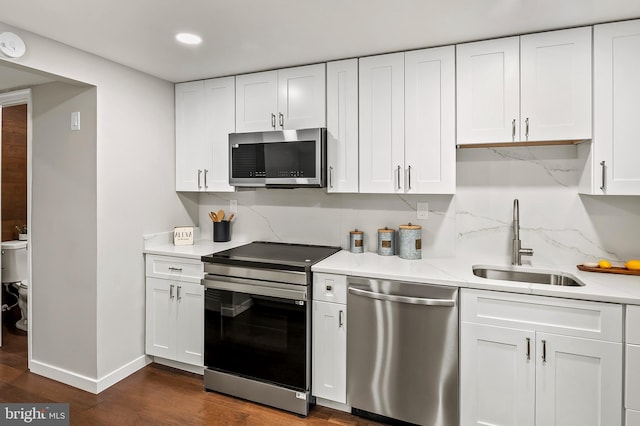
(278, 159)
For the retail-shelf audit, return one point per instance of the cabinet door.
(330, 351)
(617, 107)
(488, 86)
(190, 136)
(381, 82)
(256, 101)
(430, 152)
(578, 381)
(160, 318)
(302, 97)
(555, 85)
(497, 376)
(219, 99)
(342, 126)
(189, 303)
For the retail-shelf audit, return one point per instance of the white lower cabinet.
(632, 367)
(174, 312)
(532, 360)
(329, 364)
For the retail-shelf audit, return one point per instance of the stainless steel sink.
(525, 276)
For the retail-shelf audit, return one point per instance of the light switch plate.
(75, 120)
(422, 211)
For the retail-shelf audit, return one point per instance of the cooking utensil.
(220, 215)
(213, 216)
(231, 217)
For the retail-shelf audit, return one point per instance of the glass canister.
(356, 241)
(410, 241)
(386, 242)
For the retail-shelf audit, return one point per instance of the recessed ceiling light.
(188, 38)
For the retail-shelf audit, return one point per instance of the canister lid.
(386, 230)
(356, 232)
(410, 226)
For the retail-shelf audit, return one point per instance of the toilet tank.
(14, 261)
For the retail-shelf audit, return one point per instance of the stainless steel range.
(258, 322)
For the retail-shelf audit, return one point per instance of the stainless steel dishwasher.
(402, 351)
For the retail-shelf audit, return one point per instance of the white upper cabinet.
(190, 136)
(381, 81)
(429, 145)
(488, 86)
(616, 147)
(291, 98)
(219, 98)
(342, 126)
(555, 85)
(532, 88)
(204, 119)
(407, 122)
(256, 101)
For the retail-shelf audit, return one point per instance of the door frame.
(20, 97)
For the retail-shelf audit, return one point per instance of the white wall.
(134, 190)
(63, 228)
(563, 228)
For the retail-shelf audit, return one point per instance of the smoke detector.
(12, 45)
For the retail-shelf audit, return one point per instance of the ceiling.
(251, 35)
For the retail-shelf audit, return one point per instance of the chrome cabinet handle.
(526, 128)
(402, 299)
(513, 130)
(273, 121)
(544, 351)
(604, 175)
(199, 173)
(328, 288)
(340, 321)
(171, 291)
(281, 119)
(330, 177)
(171, 268)
(179, 296)
(205, 178)
(409, 177)
(528, 349)
(399, 177)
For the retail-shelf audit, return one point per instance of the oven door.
(258, 330)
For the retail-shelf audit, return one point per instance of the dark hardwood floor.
(155, 395)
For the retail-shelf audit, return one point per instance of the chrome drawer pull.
(171, 268)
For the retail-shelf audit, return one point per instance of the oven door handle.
(402, 299)
(236, 285)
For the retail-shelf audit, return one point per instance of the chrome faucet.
(516, 250)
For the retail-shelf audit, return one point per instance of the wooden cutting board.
(612, 270)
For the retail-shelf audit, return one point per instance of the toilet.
(15, 272)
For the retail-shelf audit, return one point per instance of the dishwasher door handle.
(402, 299)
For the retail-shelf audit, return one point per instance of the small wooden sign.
(183, 235)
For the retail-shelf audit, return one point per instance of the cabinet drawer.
(330, 288)
(633, 324)
(174, 268)
(592, 320)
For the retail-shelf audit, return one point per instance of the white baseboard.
(179, 365)
(85, 383)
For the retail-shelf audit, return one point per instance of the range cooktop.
(272, 255)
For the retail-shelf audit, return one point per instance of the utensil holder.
(221, 231)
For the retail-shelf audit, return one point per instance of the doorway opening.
(14, 121)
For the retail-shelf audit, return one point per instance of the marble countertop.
(601, 287)
(162, 244)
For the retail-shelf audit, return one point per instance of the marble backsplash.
(561, 225)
